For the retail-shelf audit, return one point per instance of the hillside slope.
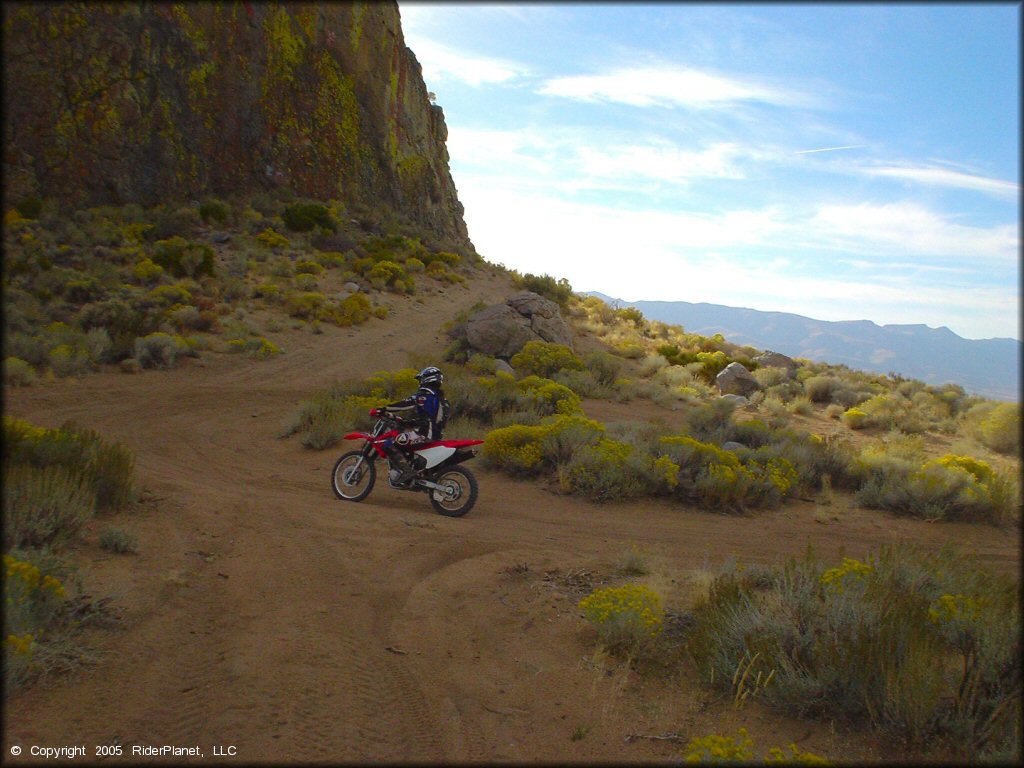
(988, 367)
(150, 102)
(263, 613)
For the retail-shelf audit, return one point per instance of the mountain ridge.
(988, 367)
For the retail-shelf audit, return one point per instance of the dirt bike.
(452, 488)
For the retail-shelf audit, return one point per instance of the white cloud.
(946, 178)
(733, 258)
(441, 62)
(667, 86)
(910, 229)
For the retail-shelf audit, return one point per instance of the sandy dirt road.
(262, 614)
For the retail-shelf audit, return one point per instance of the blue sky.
(838, 161)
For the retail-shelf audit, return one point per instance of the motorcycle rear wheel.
(353, 476)
(460, 492)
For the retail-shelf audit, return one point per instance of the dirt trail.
(262, 613)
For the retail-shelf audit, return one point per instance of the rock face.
(149, 102)
(777, 360)
(735, 379)
(502, 330)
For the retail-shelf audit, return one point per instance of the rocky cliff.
(144, 102)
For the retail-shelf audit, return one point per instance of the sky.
(837, 161)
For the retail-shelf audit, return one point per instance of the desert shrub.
(147, 271)
(306, 282)
(629, 350)
(544, 358)
(330, 259)
(213, 210)
(801, 406)
(267, 290)
(821, 388)
(44, 505)
(66, 360)
(182, 258)
(18, 373)
(414, 265)
(516, 449)
(105, 469)
(920, 645)
(258, 347)
(34, 599)
(605, 367)
(322, 420)
(118, 541)
(606, 470)
(715, 748)
(626, 618)
(548, 397)
(29, 207)
(855, 418)
(558, 291)
(718, 479)
(995, 425)
(161, 350)
(949, 487)
(303, 217)
(387, 273)
(272, 239)
(305, 305)
(307, 266)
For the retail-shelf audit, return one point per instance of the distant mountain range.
(986, 367)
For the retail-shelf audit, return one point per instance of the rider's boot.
(403, 463)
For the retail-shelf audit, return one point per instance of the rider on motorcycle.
(425, 412)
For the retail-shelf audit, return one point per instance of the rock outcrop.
(149, 102)
(777, 360)
(502, 330)
(735, 379)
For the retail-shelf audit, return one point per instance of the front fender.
(356, 436)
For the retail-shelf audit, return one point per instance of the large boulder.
(502, 330)
(735, 379)
(771, 359)
(498, 331)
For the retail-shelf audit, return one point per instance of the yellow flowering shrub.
(625, 617)
(272, 239)
(32, 601)
(851, 571)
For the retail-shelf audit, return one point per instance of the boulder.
(501, 366)
(777, 360)
(733, 446)
(735, 379)
(498, 331)
(501, 330)
(739, 401)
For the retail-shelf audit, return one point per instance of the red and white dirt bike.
(452, 488)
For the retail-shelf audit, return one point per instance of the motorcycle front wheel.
(353, 476)
(457, 494)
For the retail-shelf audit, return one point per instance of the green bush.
(304, 305)
(272, 239)
(79, 458)
(922, 646)
(303, 217)
(307, 266)
(950, 487)
(118, 541)
(558, 291)
(161, 350)
(996, 425)
(626, 618)
(544, 358)
(44, 505)
(182, 258)
(257, 346)
(18, 373)
(213, 210)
